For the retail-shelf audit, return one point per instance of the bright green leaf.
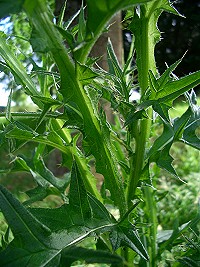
(174, 89)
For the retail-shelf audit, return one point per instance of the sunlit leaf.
(85, 74)
(174, 89)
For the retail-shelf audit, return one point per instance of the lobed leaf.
(127, 236)
(173, 89)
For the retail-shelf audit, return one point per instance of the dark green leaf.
(22, 223)
(162, 109)
(55, 219)
(99, 210)
(90, 256)
(8, 7)
(134, 115)
(36, 194)
(180, 124)
(78, 198)
(164, 160)
(165, 138)
(126, 235)
(190, 133)
(34, 243)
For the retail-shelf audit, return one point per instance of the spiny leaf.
(189, 134)
(16, 130)
(164, 160)
(49, 231)
(113, 63)
(134, 116)
(180, 124)
(85, 74)
(126, 235)
(62, 14)
(174, 89)
(34, 243)
(68, 36)
(165, 77)
(162, 109)
(74, 116)
(82, 26)
(167, 6)
(165, 138)
(72, 91)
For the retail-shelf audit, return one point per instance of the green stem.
(73, 91)
(145, 62)
(145, 39)
(151, 211)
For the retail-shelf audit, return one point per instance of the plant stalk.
(144, 29)
(145, 62)
(73, 91)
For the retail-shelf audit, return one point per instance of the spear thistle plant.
(73, 115)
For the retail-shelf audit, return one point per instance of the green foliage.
(67, 91)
